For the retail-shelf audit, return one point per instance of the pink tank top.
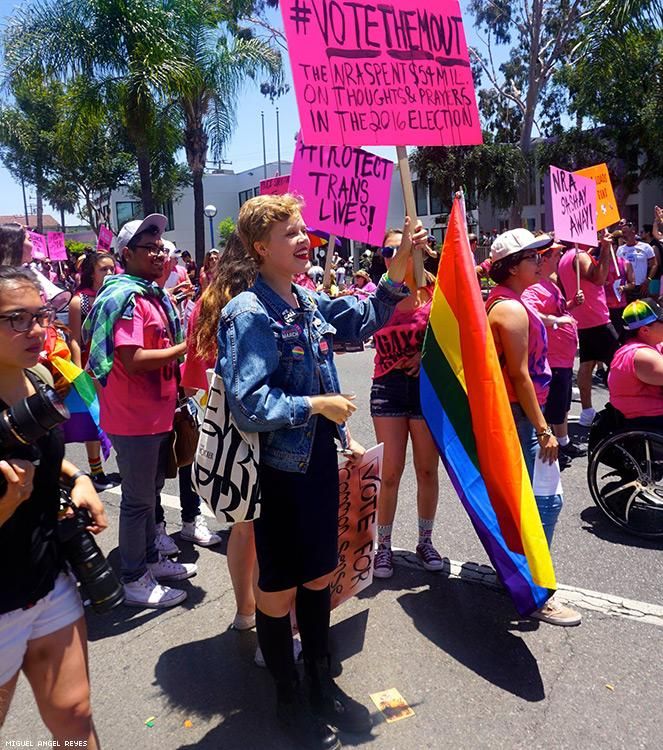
(537, 362)
(594, 310)
(400, 339)
(628, 393)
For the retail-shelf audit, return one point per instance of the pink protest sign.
(56, 248)
(39, 251)
(105, 238)
(345, 190)
(573, 207)
(275, 185)
(391, 74)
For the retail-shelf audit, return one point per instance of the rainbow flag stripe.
(467, 409)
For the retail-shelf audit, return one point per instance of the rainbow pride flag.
(465, 404)
(82, 400)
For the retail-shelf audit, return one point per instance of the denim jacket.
(273, 357)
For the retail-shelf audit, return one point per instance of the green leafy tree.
(127, 50)
(225, 228)
(616, 90)
(219, 66)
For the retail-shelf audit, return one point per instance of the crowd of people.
(149, 326)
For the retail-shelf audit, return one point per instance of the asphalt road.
(475, 674)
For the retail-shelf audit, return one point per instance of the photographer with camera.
(42, 628)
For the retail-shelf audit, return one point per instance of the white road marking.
(596, 601)
(171, 501)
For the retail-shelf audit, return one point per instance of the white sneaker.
(146, 592)
(556, 613)
(198, 533)
(244, 622)
(587, 417)
(164, 544)
(259, 659)
(166, 569)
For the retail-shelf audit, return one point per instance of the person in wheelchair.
(627, 436)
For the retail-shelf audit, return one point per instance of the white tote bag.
(225, 469)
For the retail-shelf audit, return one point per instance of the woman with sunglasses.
(42, 628)
(522, 346)
(397, 417)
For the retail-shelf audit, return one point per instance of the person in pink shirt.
(635, 380)
(597, 336)
(396, 412)
(135, 342)
(546, 298)
(620, 282)
(363, 286)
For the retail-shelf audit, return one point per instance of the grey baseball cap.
(132, 228)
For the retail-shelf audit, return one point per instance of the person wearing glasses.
(397, 416)
(522, 347)
(640, 255)
(135, 341)
(42, 626)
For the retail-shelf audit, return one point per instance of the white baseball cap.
(171, 249)
(132, 228)
(515, 241)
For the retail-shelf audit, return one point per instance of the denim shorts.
(59, 608)
(396, 394)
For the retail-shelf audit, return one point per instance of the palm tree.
(219, 66)
(117, 45)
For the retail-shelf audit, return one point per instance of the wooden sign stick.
(577, 269)
(411, 211)
(614, 260)
(331, 247)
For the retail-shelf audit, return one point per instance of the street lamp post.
(210, 212)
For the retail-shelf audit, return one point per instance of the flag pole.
(411, 211)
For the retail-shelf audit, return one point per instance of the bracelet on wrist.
(544, 433)
(78, 475)
(394, 284)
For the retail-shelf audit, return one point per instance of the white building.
(227, 190)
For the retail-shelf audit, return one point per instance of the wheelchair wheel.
(625, 476)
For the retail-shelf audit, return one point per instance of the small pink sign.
(345, 190)
(56, 248)
(105, 238)
(573, 207)
(391, 74)
(39, 250)
(275, 185)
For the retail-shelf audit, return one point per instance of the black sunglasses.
(388, 252)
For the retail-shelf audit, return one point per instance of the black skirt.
(297, 532)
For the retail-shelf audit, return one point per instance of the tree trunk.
(138, 116)
(195, 145)
(40, 211)
(199, 216)
(62, 226)
(145, 173)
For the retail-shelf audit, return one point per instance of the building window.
(438, 233)
(245, 195)
(130, 210)
(531, 223)
(421, 197)
(435, 199)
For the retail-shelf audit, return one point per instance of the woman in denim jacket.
(276, 361)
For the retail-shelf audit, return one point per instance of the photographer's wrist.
(78, 475)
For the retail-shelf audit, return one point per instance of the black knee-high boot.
(328, 701)
(294, 714)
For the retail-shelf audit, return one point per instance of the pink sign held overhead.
(345, 190)
(39, 250)
(573, 207)
(275, 185)
(56, 248)
(391, 74)
(105, 238)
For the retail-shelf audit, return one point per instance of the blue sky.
(245, 149)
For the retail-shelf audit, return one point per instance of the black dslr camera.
(21, 425)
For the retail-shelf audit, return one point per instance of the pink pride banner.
(573, 207)
(39, 249)
(345, 190)
(275, 185)
(105, 238)
(56, 248)
(371, 74)
(358, 490)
